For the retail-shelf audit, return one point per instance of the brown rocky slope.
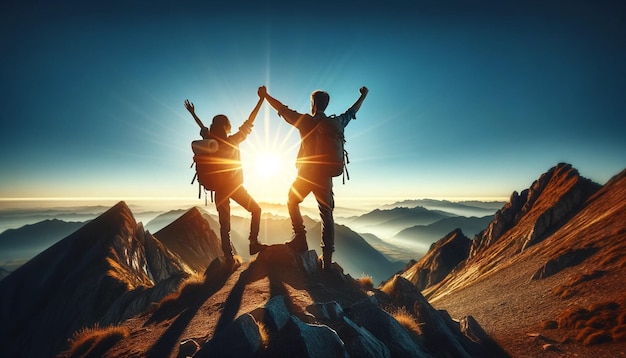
(557, 247)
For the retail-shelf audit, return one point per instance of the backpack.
(329, 149)
(211, 166)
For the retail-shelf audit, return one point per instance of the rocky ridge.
(442, 257)
(104, 273)
(559, 244)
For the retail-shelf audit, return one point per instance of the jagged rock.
(310, 262)
(274, 314)
(328, 311)
(307, 340)
(279, 257)
(472, 330)
(359, 342)
(503, 220)
(555, 197)
(569, 203)
(568, 259)
(241, 338)
(440, 332)
(442, 257)
(191, 237)
(187, 348)
(138, 300)
(368, 314)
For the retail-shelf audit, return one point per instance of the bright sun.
(267, 165)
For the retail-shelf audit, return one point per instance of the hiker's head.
(220, 127)
(319, 101)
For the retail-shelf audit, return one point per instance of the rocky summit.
(283, 304)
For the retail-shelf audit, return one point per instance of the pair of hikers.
(312, 175)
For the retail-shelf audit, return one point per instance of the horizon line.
(177, 198)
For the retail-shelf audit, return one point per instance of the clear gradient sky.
(467, 98)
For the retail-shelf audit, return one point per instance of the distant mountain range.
(19, 245)
(545, 274)
(428, 234)
(399, 223)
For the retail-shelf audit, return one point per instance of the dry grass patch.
(618, 333)
(265, 337)
(596, 324)
(366, 282)
(95, 341)
(597, 337)
(191, 285)
(407, 321)
(567, 290)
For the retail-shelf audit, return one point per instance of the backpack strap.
(346, 161)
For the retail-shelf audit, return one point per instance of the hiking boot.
(256, 247)
(298, 243)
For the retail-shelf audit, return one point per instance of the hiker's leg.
(326, 203)
(298, 191)
(222, 203)
(243, 198)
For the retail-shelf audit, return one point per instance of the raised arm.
(276, 104)
(190, 107)
(357, 105)
(255, 111)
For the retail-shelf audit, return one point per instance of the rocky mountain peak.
(105, 272)
(192, 239)
(553, 198)
(442, 257)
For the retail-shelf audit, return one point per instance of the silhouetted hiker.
(311, 174)
(230, 182)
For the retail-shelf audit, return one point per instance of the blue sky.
(467, 99)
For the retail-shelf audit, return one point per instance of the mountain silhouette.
(442, 257)
(4, 273)
(25, 242)
(428, 234)
(559, 244)
(357, 256)
(390, 222)
(192, 239)
(104, 273)
(464, 208)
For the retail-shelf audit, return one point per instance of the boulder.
(368, 314)
(360, 342)
(328, 311)
(300, 339)
(571, 258)
(241, 338)
(274, 314)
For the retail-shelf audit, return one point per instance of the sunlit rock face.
(552, 199)
(107, 271)
(442, 257)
